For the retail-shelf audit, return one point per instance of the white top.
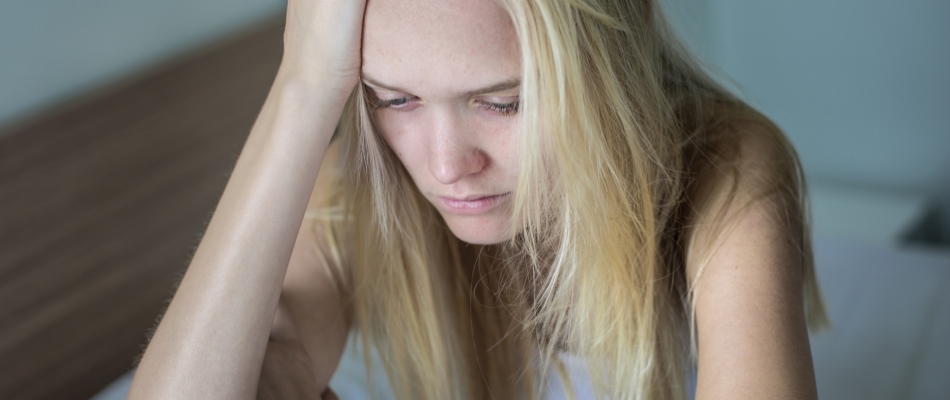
(350, 380)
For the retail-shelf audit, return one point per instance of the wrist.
(309, 83)
(309, 101)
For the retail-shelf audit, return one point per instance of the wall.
(862, 87)
(53, 49)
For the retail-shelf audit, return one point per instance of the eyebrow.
(505, 85)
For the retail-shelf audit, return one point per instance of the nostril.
(478, 162)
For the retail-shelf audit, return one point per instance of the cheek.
(393, 133)
(506, 147)
(399, 136)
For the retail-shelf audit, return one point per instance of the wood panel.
(101, 204)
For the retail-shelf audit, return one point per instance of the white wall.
(862, 87)
(51, 49)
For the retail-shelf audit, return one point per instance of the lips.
(476, 204)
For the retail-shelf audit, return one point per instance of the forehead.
(439, 45)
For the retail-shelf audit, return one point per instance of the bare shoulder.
(746, 172)
(311, 308)
(745, 258)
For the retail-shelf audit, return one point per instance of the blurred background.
(860, 87)
(120, 120)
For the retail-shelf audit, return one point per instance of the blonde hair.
(619, 123)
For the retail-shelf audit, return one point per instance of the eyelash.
(500, 108)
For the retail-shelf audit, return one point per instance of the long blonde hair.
(618, 123)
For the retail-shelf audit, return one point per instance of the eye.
(501, 108)
(394, 103)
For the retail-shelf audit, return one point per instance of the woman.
(514, 180)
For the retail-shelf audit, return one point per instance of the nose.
(453, 151)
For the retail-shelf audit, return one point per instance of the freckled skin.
(437, 52)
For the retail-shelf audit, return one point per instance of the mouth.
(472, 205)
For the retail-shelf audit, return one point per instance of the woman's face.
(446, 74)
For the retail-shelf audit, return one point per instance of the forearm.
(211, 341)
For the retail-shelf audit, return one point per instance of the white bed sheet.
(890, 310)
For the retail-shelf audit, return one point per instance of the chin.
(478, 230)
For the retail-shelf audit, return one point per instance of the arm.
(309, 331)
(212, 339)
(750, 319)
(310, 328)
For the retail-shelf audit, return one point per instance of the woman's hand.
(322, 42)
